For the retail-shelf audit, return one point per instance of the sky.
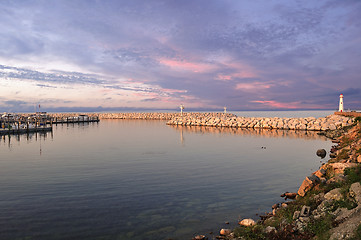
(109, 55)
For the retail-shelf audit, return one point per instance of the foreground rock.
(247, 222)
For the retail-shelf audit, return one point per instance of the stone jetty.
(162, 116)
(331, 122)
(214, 119)
(143, 116)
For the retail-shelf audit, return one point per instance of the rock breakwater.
(214, 119)
(163, 116)
(331, 122)
(143, 116)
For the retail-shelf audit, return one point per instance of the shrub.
(252, 233)
(353, 174)
(321, 227)
(342, 155)
(346, 203)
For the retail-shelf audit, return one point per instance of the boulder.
(288, 195)
(349, 221)
(337, 178)
(314, 178)
(320, 173)
(270, 229)
(355, 192)
(319, 198)
(306, 185)
(200, 237)
(359, 158)
(284, 205)
(339, 168)
(321, 153)
(334, 194)
(247, 222)
(225, 231)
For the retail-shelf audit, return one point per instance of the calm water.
(124, 179)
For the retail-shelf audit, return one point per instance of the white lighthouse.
(340, 106)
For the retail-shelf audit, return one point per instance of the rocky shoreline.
(327, 204)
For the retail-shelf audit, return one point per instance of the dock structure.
(73, 119)
(20, 124)
(39, 122)
(24, 130)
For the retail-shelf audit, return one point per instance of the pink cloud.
(224, 77)
(275, 104)
(253, 86)
(242, 70)
(239, 70)
(173, 90)
(187, 65)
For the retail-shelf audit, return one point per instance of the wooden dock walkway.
(25, 130)
(22, 124)
(62, 120)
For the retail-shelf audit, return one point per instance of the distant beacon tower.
(340, 106)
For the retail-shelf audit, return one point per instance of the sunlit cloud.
(278, 105)
(223, 77)
(186, 65)
(254, 86)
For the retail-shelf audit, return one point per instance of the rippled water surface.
(121, 179)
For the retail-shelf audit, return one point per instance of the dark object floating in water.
(321, 153)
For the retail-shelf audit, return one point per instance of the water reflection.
(11, 139)
(268, 133)
(134, 180)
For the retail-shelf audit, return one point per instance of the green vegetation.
(343, 203)
(320, 228)
(353, 174)
(342, 155)
(251, 233)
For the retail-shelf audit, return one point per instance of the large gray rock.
(334, 194)
(355, 192)
(350, 220)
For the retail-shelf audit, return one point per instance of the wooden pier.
(80, 119)
(25, 130)
(26, 123)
